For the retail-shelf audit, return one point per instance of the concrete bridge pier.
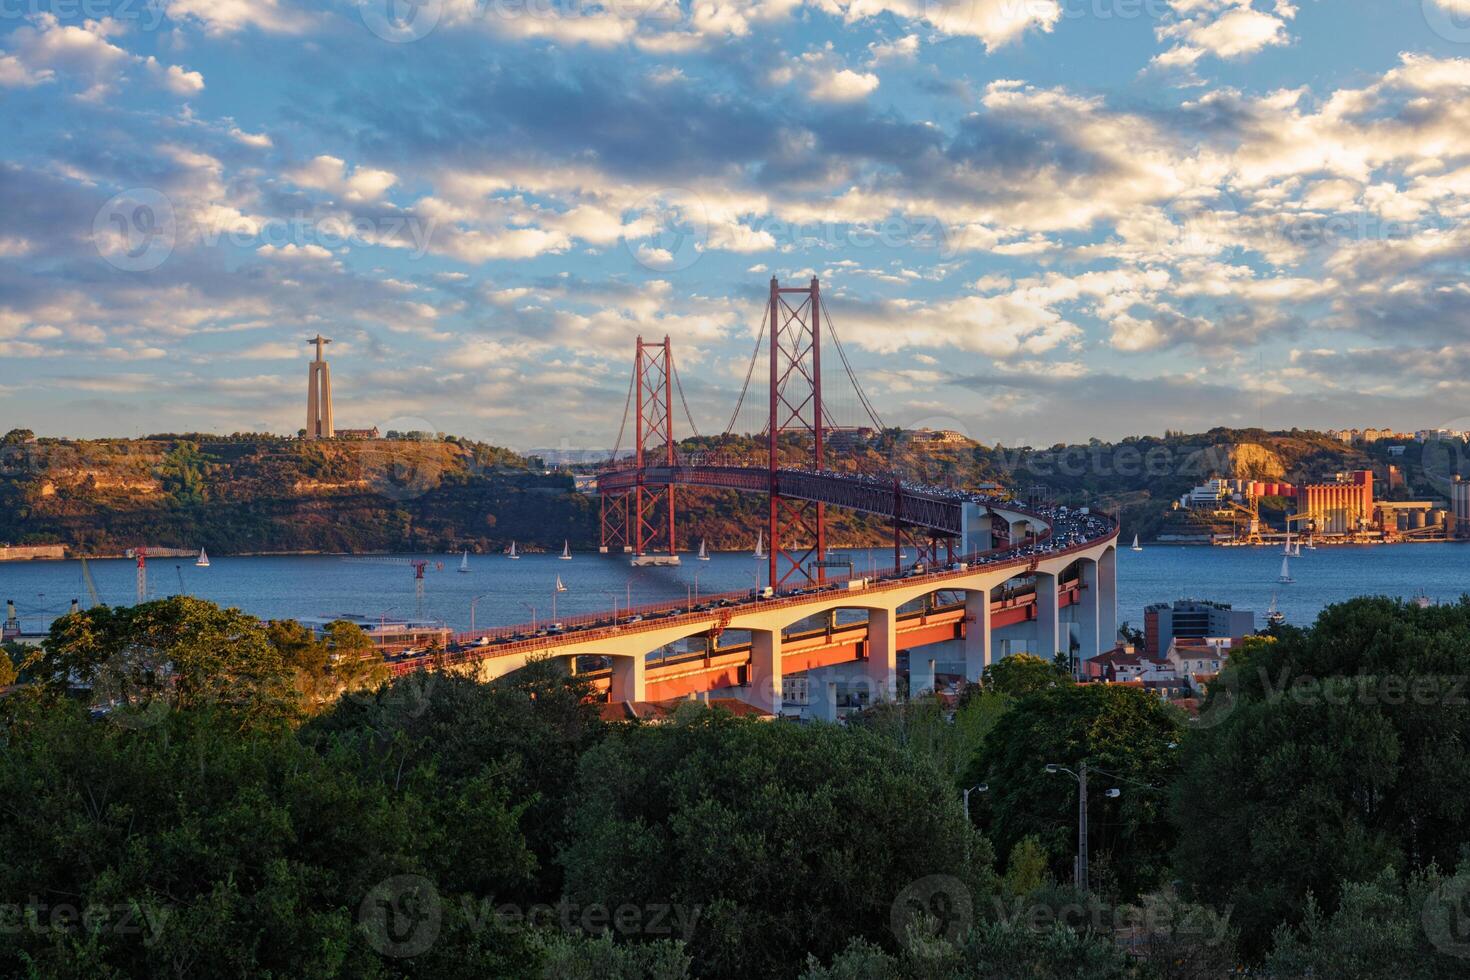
(765, 670)
(1047, 621)
(1018, 531)
(921, 673)
(1086, 612)
(978, 639)
(882, 663)
(628, 679)
(1107, 598)
(823, 705)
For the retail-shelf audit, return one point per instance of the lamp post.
(614, 597)
(533, 615)
(472, 609)
(982, 788)
(1081, 776)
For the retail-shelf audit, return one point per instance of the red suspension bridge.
(639, 506)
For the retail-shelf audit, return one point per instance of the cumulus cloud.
(221, 17)
(996, 23)
(331, 174)
(46, 50)
(1227, 29)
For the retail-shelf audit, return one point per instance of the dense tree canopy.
(1333, 753)
(1125, 735)
(449, 735)
(179, 653)
(1024, 673)
(202, 852)
(776, 839)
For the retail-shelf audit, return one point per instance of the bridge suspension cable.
(627, 404)
(688, 415)
(755, 357)
(851, 374)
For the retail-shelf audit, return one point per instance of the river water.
(318, 586)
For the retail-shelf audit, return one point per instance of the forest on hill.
(253, 493)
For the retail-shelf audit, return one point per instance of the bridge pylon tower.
(797, 529)
(631, 519)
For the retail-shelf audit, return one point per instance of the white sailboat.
(566, 551)
(1136, 545)
(1274, 616)
(1285, 577)
(1287, 549)
(464, 562)
(511, 554)
(559, 586)
(202, 561)
(703, 553)
(760, 546)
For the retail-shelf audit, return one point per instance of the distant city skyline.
(1034, 222)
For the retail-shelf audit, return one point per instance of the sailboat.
(1136, 545)
(1274, 616)
(511, 554)
(1296, 550)
(1287, 549)
(566, 551)
(703, 554)
(559, 586)
(464, 562)
(760, 546)
(1285, 577)
(202, 561)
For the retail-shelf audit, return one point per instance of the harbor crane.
(419, 566)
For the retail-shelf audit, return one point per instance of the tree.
(1125, 735)
(599, 958)
(195, 849)
(10, 655)
(456, 741)
(178, 653)
(776, 839)
(343, 660)
(1384, 927)
(926, 728)
(1358, 725)
(1027, 869)
(17, 437)
(995, 951)
(1024, 673)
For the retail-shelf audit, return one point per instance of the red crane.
(419, 566)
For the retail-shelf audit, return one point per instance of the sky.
(1033, 220)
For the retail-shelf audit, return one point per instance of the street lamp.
(1081, 776)
(533, 615)
(982, 788)
(472, 609)
(614, 597)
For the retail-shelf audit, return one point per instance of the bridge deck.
(699, 620)
(940, 514)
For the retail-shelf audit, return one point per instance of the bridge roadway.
(931, 508)
(1088, 542)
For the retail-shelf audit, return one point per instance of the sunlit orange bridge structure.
(987, 571)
